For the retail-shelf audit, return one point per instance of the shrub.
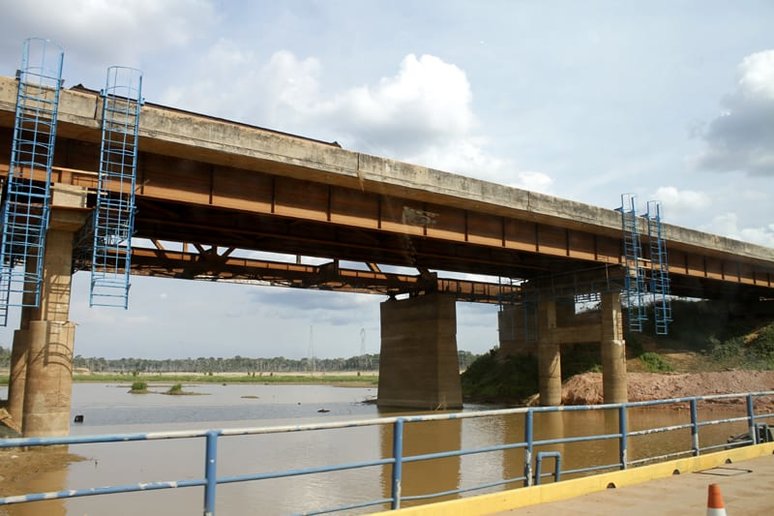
(729, 350)
(176, 389)
(655, 363)
(493, 378)
(139, 387)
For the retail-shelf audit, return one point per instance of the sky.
(672, 101)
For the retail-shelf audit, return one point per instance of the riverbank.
(338, 379)
(586, 388)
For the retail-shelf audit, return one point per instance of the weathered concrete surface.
(745, 487)
(47, 336)
(549, 356)
(20, 353)
(418, 366)
(614, 383)
(194, 136)
(48, 388)
(18, 376)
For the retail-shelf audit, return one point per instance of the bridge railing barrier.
(532, 472)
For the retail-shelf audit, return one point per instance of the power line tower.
(364, 361)
(311, 365)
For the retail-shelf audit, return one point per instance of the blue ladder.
(634, 279)
(25, 209)
(114, 212)
(659, 267)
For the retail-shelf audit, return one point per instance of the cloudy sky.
(585, 100)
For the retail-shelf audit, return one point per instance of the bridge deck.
(216, 182)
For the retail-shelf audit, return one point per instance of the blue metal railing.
(531, 476)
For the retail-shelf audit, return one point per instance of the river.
(109, 408)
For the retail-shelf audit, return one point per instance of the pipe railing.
(531, 476)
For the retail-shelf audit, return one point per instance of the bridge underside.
(220, 186)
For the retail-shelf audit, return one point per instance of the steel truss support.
(26, 202)
(659, 269)
(114, 212)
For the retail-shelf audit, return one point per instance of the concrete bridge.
(217, 186)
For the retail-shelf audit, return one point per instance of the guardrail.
(532, 474)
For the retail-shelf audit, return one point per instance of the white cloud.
(532, 180)
(423, 114)
(118, 30)
(727, 224)
(678, 202)
(427, 103)
(757, 72)
(740, 139)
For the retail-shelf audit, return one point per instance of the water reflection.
(111, 409)
(430, 476)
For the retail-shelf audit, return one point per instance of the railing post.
(210, 472)
(397, 467)
(539, 465)
(528, 430)
(751, 419)
(623, 440)
(695, 428)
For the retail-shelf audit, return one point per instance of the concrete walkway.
(746, 488)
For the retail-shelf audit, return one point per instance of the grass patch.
(176, 389)
(139, 388)
(655, 363)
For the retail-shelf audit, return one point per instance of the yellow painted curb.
(526, 496)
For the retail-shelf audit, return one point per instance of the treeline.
(215, 365)
(368, 362)
(239, 364)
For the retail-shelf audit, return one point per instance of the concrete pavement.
(746, 488)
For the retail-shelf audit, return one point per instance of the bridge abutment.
(41, 370)
(418, 365)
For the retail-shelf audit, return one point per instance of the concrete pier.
(614, 382)
(418, 366)
(555, 325)
(41, 368)
(549, 356)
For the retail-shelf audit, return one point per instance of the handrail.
(397, 459)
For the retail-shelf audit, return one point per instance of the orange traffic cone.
(715, 506)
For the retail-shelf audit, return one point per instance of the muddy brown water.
(109, 408)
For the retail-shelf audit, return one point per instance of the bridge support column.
(18, 376)
(549, 356)
(418, 364)
(19, 354)
(614, 380)
(46, 336)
